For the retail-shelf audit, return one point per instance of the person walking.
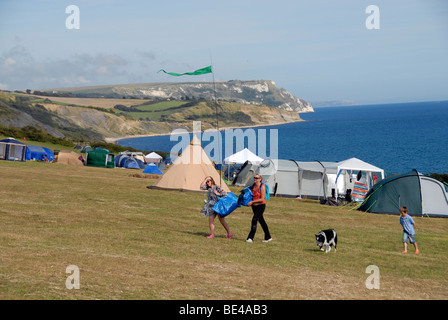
(408, 224)
(258, 205)
(214, 192)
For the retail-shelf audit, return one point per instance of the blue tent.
(120, 159)
(13, 150)
(39, 153)
(152, 168)
(133, 163)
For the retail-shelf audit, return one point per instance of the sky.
(323, 50)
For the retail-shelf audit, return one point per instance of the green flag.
(194, 73)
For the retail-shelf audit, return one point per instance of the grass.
(155, 111)
(95, 102)
(131, 242)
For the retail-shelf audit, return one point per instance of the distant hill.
(244, 92)
(105, 113)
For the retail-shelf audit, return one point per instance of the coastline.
(115, 140)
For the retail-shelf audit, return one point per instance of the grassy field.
(94, 102)
(131, 242)
(155, 111)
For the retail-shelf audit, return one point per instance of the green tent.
(422, 195)
(100, 158)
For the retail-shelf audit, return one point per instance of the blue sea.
(395, 137)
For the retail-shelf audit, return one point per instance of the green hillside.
(93, 119)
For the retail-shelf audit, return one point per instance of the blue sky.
(317, 50)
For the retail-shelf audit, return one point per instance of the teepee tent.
(189, 170)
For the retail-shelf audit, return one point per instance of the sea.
(396, 137)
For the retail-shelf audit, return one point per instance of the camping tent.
(69, 157)
(422, 196)
(120, 159)
(86, 149)
(312, 182)
(39, 153)
(289, 178)
(100, 158)
(282, 177)
(13, 150)
(152, 168)
(243, 156)
(244, 173)
(133, 154)
(345, 171)
(189, 170)
(133, 163)
(153, 158)
(128, 162)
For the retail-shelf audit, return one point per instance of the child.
(408, 230)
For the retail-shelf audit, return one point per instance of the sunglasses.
(257, 178)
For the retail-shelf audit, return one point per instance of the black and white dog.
(327, 238)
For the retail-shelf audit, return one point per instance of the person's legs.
(412, 240)
(258, 217)
(226, 226)
(211, 224)
(264, 225)
(253, 227)
(405, 242)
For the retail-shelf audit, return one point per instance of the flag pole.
(217, 121)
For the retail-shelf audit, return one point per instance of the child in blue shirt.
(408, 229)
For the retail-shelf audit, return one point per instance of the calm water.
(395, 137)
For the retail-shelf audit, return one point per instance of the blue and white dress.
(207, 210)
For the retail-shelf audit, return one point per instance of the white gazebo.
(346, 167)
(153, 158)
(242, 156)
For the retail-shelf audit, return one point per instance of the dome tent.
(39, 153)
(133, 163)
(152, 168)
(422, 195)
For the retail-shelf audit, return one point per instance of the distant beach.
(116, 140)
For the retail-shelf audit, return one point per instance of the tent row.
(13, 150)
(312, 180)
(288, 178)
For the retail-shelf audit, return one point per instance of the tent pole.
(217, 122)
